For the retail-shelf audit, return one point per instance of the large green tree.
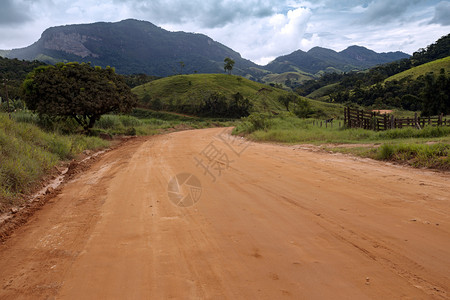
(77, 91)
(228, 65)
(287, 99)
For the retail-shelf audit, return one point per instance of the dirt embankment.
(268, 222)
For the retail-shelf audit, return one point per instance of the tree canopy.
(228, 66)
(77, 91)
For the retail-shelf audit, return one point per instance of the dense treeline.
(355, 79)
(12, 74)
(429, 94)
(135, 80)
(213, 104)
(440, 49)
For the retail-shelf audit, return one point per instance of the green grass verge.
(428, 147)
(418, 155)
(148, 122)
(27, 153)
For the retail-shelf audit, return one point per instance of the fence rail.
(355, 118)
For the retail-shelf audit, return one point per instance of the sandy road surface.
(278, 222)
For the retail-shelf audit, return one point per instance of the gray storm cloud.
(383, 11)
(207, 13)
(12, 12)
(442, 14)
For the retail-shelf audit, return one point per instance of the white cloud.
(259, 39)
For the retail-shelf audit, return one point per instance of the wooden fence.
(355, 118)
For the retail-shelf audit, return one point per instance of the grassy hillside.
(433, 66)
(323, 91)
(188, 89)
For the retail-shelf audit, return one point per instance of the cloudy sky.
(259, 29)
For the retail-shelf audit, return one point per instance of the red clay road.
(271, 222)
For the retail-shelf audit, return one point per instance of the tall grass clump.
(418, 155)
(50, 124)
(254, 122)
(108, 122)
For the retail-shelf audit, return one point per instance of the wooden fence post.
(357, 119)
(345, 115)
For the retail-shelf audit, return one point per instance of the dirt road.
(271, 222)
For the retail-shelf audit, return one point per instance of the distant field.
(325, 90)
(292, 76)
(434, 66)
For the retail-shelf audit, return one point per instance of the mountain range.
(133, 46)
(326, 60)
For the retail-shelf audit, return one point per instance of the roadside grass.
(428, 147)
(30, 147)
(418, 155)
(139, 122)
(148, 122)
(27, 153)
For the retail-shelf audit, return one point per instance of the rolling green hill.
(190, 89)
(185, 90)
(322, 92)
(433, 66)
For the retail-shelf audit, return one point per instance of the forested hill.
(132, 46)
(420, 83)
(437, 50)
